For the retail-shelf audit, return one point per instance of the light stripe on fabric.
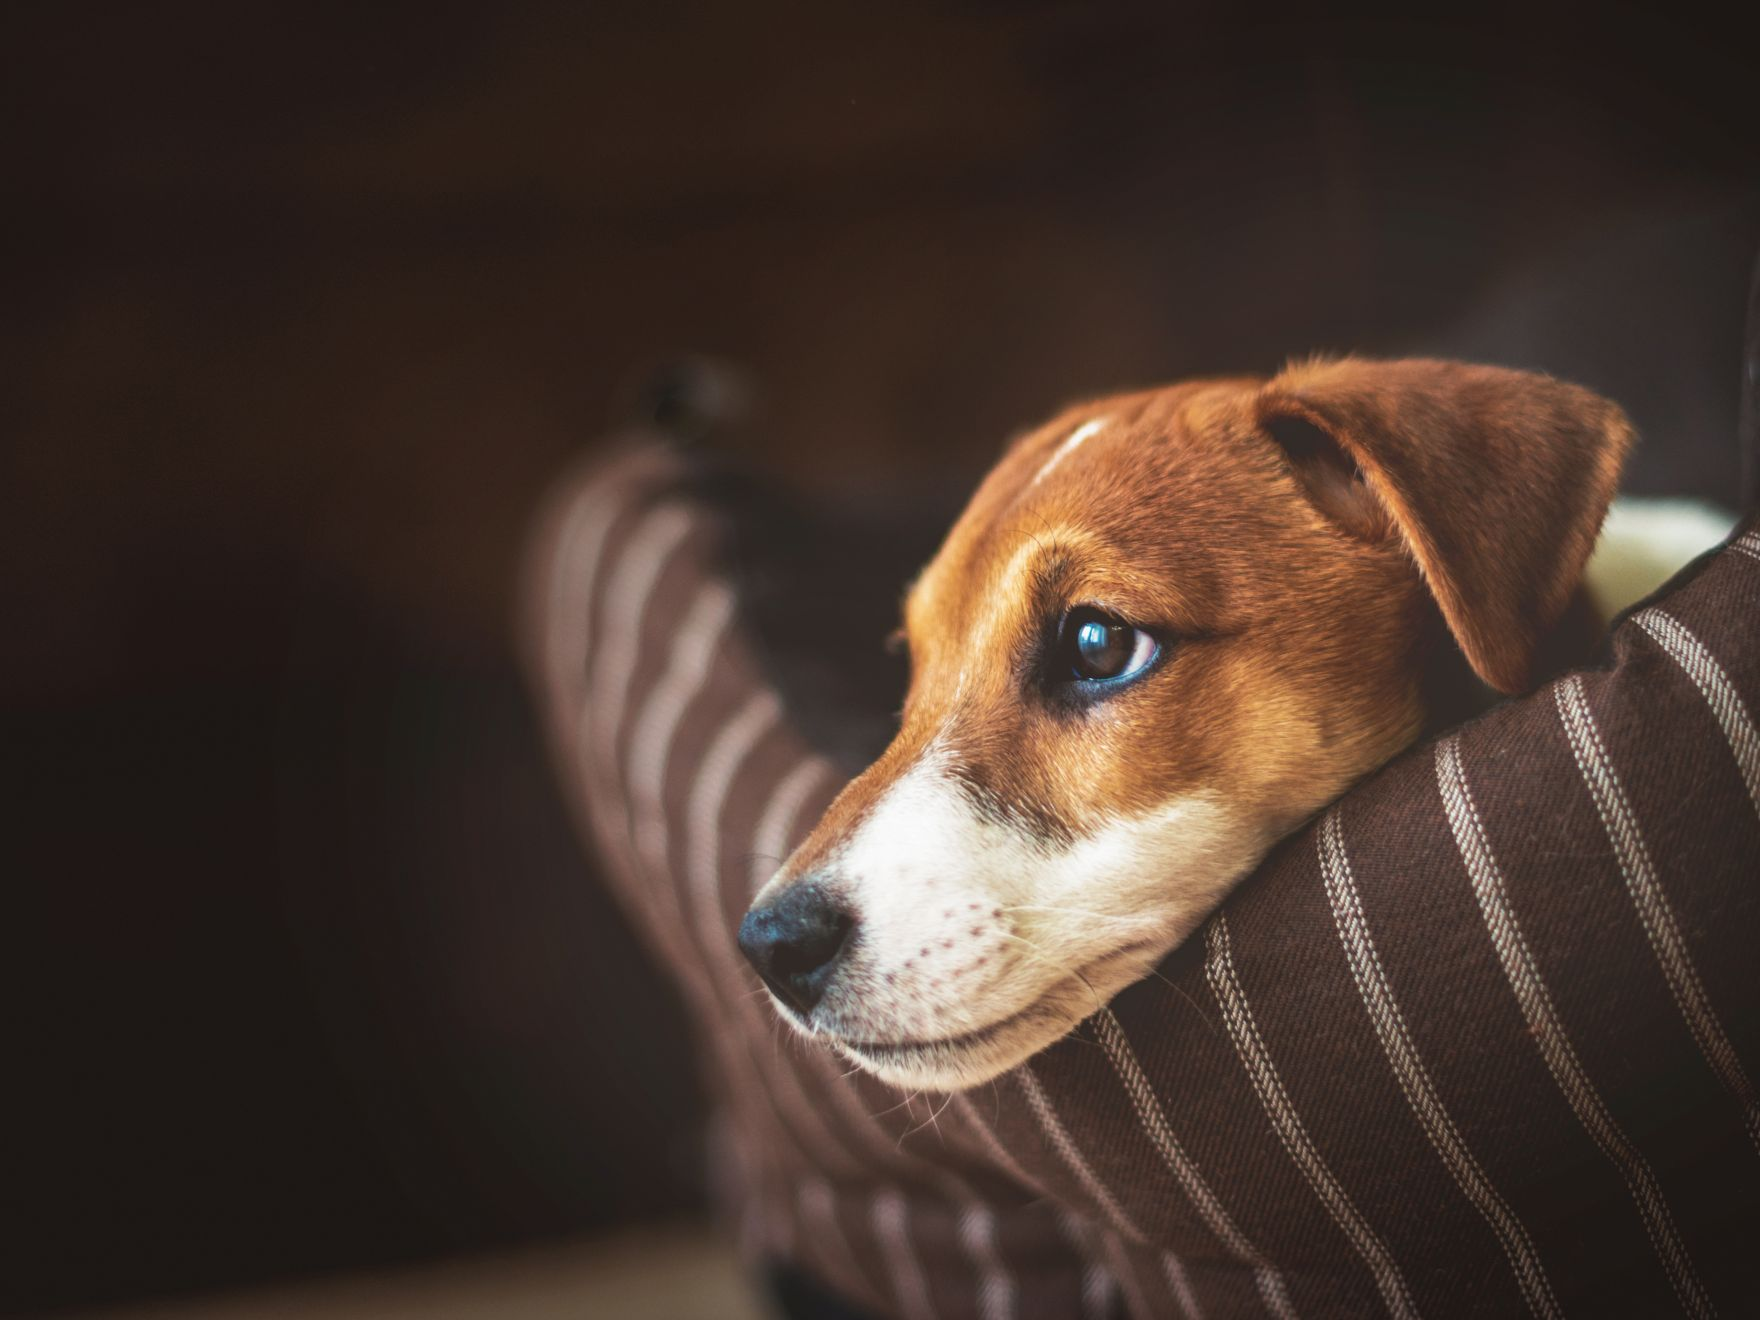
(1243, 1030)
(996, 1287)
(578, 547)
(1414, 1078)
(1118, 1278)
(1180, 1285)
(614, 655)
(700, 633)
(1071, 1154)
(1096, 1248)
(992, 1144)
(817, 1209)
(720, 764)
(890, 1217)
(1748, 544)
(780, 817)
(887, 1153)
(1550, 1038)
(1654, 912)
(1154, 1122)
(1727, 706)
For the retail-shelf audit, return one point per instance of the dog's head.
(1168, 628)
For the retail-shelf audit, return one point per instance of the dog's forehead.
(1131, 478)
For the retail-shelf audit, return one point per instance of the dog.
(1168, 629)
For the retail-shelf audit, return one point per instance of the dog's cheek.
(935, 887)
(1150, 877)
(964, 919)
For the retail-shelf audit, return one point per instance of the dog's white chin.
(947, 1063)
(947, 1068)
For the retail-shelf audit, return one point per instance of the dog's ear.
(1496, 482)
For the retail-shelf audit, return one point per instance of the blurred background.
(305, 303)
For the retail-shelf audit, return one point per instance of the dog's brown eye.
(1095, 646)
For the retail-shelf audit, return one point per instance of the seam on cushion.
(1548, 1032)
(1154, 1123)
(1727, 706)
(1414, 1079)
(1654, 912)
(1237, 1013)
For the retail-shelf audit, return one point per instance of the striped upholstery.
(1481, 1040)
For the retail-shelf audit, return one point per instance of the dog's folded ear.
(1496, 481)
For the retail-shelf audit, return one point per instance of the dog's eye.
(1095, 646)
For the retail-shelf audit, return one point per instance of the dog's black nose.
(795, 941)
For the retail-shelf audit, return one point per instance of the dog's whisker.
(1179, 990)
(1038, 953)
(890, 1109)
(1075, 972)
(915, 1127)
(1063, 968)
(935, 1116)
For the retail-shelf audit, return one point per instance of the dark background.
(304, 303)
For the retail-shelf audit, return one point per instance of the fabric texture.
(1481, 1040)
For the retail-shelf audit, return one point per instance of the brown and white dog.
(1168, 629)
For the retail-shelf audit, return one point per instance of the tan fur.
(1300, 608)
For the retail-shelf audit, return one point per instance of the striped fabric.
(1480, 1041)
